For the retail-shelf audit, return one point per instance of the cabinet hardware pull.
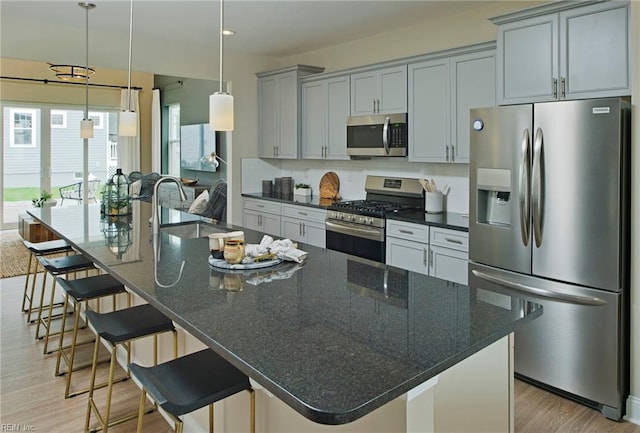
(454, 241)
(304, 229)
(430, 258)
(260, 205)
(407, 232)
(446, 149)
(302, 213)
(554, 87)
(563, 87)
(374, 105)
(424, 256)
(453, 154)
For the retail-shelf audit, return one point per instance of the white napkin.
(283, 248)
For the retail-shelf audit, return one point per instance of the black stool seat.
(62, 265)
(128, 324)
(95, 286)
(48, 247)
(190, 382)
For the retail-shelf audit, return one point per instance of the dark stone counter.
(328, 337)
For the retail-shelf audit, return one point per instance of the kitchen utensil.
(424, 183)
(329, 186)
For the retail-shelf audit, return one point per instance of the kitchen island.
(333, 338)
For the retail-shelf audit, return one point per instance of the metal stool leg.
(26, 284)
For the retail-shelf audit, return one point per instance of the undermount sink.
(190, 230)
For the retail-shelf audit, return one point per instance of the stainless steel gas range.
(358, 227)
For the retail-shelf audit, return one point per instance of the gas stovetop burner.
(369, 207)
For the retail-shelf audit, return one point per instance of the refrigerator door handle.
(524, 192)
(540, 292)
(536, 186)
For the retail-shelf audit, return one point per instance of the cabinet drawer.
(408, 231)
(450, 238)
(304, 212)
(262, 206)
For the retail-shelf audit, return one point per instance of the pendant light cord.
(221, 39)
(130, 43)
(86, 71)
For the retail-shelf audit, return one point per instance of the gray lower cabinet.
(563, 51)
(262, 216)
(303, 224)
(435, 251)
(278, 114)
(325, 108)
(441, 93)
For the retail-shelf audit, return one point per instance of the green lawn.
(26, 194)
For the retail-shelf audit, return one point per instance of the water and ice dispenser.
(494, 196)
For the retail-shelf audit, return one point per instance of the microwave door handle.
(525, 174)
(385, 135)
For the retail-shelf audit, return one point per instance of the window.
(58, 119)
(97, 118)
(174, 140)
(22, 128)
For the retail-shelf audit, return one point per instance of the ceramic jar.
(234, 251)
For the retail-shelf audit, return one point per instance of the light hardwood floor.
(31, 398)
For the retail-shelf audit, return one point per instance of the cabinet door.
(429, 111)
(291, 228)
(314, 121)
(315, 234)
(251, 220)
(448, 264)
(287, 145)
(270, 224)
(473, 79)
(338, 98)
(527, 62)
(392, 90)
(594, 51)
(408, 255)
(364, 92)
(268, 116)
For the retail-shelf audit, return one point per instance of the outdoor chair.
(74, 191)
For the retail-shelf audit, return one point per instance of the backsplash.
(352, 175)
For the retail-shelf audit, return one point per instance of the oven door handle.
(373, 234)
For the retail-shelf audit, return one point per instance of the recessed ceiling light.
(228, 32)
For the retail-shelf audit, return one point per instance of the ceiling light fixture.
(128, 122)
(86, 126)
(73, 73)
(221, 103)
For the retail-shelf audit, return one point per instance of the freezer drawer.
(576, 346)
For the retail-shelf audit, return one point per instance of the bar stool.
(78, 292)
(39, 249)
(121, 328)
(189, 383)
(55, 267)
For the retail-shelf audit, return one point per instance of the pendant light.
(221, 103)
(86, 126)
(128, 121)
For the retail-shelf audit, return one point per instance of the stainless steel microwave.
(377, 135)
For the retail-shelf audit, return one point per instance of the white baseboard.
(633, 410)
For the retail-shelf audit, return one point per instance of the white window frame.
(61, 113)
(34, 124)
(98, 119)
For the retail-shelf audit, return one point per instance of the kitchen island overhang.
(329, 344)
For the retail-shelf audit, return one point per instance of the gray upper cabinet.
(278, 116)
(441, 93)
(380, 91)
(325, 108)
(560, 51)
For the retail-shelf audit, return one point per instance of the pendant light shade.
(221, 112)
(128, 124)
(221, 103)
(128, 121)
(86, 128)
(86, 125)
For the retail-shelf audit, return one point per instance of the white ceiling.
(54, 31)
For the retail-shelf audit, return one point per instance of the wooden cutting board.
(329, 186)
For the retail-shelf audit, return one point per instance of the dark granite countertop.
(450, 220)
(332, 345)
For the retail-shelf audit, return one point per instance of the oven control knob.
(369, 221)
(352, 218)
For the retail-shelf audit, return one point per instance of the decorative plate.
(222, 264)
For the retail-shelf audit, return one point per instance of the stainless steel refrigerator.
(549, 218)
